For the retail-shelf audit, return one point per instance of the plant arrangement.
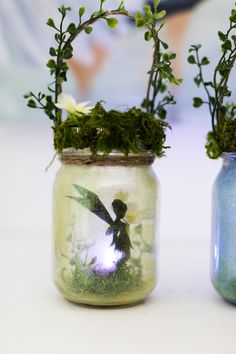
(222, 137)
(135, 130)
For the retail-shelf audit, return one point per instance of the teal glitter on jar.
(224, 229)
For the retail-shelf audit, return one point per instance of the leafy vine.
(222, 138)
(135, 130)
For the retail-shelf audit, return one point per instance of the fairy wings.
(90, 201)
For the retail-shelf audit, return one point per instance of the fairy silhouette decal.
(117, 228)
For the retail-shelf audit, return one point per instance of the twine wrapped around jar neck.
(111, 160)
(229, 156)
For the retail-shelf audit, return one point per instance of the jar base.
(230, 302)
(226, 290)
(124, 300)
(109, 306)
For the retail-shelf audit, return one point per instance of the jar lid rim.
(229, 155)
(115, 153)
(80, 157)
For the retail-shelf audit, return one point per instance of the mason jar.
(224, 229)
(104, 228)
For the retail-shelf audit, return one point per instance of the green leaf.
(51, 23)
(209, 83)
(212, 147)
(156, 4)
(233, 11)
(176, 81)
(148, 36)
(163, 88)
(197, 102)
(159, 15)
(162, 112)
(165, 45)
(148, 11)
(205, 61)
(63, 10)
(57, 38)
(51, 90)
(233, 18)
(227, 45)
(50, 101)
(191, 59)
(32, 104)
(122, 5)
(28, 95)
(64, 67)
(195, 48)
(60, 80)
(112, 22)
(172, 56)
(167, 57)
(98, 13)
(223, 110)
(71, 28)
(139, 19)
(82, 11)
(51, 64)
(88, 30)
(222, 36)
(53, 52)
(68, 54)
(212, 100)
(41, 96)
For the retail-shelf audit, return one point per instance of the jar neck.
(84, 157)
(229, 158)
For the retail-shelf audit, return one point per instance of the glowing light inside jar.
(103, 257)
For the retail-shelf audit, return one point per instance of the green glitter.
(87, 282)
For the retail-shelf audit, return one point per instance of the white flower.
(68, 103)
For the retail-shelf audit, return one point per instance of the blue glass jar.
(224, 229)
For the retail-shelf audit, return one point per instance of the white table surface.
(184, 315)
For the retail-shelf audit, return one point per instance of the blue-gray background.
(121, 82)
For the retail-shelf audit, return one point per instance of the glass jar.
(104, 226)
(224, 229)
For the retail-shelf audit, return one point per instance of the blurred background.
(108, 65)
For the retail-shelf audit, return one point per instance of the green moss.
(104, 131)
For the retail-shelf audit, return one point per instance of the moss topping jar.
(104, 227)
